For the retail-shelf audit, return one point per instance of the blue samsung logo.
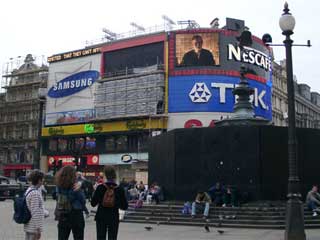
(73, 84)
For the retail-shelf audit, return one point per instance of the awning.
(17, 167)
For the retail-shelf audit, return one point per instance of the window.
(90, 143)
(62, 144)
(79, 143)
(121, 143)
(53, 145)
(110, 143)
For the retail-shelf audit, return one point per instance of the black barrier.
(254, 159)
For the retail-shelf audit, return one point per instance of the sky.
(45, 28)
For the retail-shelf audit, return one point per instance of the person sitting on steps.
(313, 200)
(202, 200)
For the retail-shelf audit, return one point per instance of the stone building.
(307, 102)
(19, 118)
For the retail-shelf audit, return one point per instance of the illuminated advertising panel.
(197, 50)
(218, 52)
(209, 93)
(204, 68)
(71, 88)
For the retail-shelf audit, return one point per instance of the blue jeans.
(312, 205)
(196, 205)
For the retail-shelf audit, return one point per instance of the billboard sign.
(71, 89)
(73, 84)
(213, 93)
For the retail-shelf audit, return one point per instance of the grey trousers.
(30, 236)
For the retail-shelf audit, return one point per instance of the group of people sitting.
(217, 195)
(141, 192)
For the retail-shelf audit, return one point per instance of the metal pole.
(37, 158)
(294, 210)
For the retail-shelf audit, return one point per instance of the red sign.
(92, 159)
(68, 160)
(17, 167)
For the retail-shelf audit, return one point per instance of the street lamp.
(294, 210)
(42, 99)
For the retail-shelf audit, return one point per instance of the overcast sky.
(42, 27)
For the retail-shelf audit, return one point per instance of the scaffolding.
(16, 71)
(140, 93)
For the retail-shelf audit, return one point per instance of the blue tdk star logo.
(200, 93)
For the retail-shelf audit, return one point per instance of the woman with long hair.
(70, 205)
(110, 198)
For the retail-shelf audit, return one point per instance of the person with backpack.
(34, 227)
(70, 203)
(110, 198)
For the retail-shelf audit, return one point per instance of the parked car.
(9, 190)
(4, 179)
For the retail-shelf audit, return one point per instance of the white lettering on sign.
(222, 90)
(249, 55)
(73, 84)
(257, 98)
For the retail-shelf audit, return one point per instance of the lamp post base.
(294, 220)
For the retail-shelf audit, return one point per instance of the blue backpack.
(186, 208)
(22, 213)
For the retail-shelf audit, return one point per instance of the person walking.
(110, 198)
(34, 227)
(70, 205)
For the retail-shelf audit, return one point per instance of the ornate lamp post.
(294, 210)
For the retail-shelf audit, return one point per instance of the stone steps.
(249, 216)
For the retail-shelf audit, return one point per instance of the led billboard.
(197, 50)
(210, 93)
(204, 68)
(71, 87)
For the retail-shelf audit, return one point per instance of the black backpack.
(21, 213)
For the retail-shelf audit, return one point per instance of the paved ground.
(128, 231)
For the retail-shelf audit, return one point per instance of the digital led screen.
(197, 50)
(209, 93)
(133, 57)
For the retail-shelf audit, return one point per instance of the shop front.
(129, 166)
(88, 164)
(16, 170)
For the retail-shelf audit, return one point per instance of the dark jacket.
(109, 214)
(191, 59)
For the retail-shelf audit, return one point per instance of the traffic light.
(83, 162)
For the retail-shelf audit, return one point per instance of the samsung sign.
(213, 93)
(73, 84)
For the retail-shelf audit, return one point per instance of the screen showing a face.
(197, 50)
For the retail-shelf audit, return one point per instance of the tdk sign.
(200, 93)
(213, 93)
(73, 84)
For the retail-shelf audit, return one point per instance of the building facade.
(104, 102)
(19, 118)
(307, 103)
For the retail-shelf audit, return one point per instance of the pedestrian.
(34, 227)
(110, 198)
(70, 205)
(313, 200)
(203, 201)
